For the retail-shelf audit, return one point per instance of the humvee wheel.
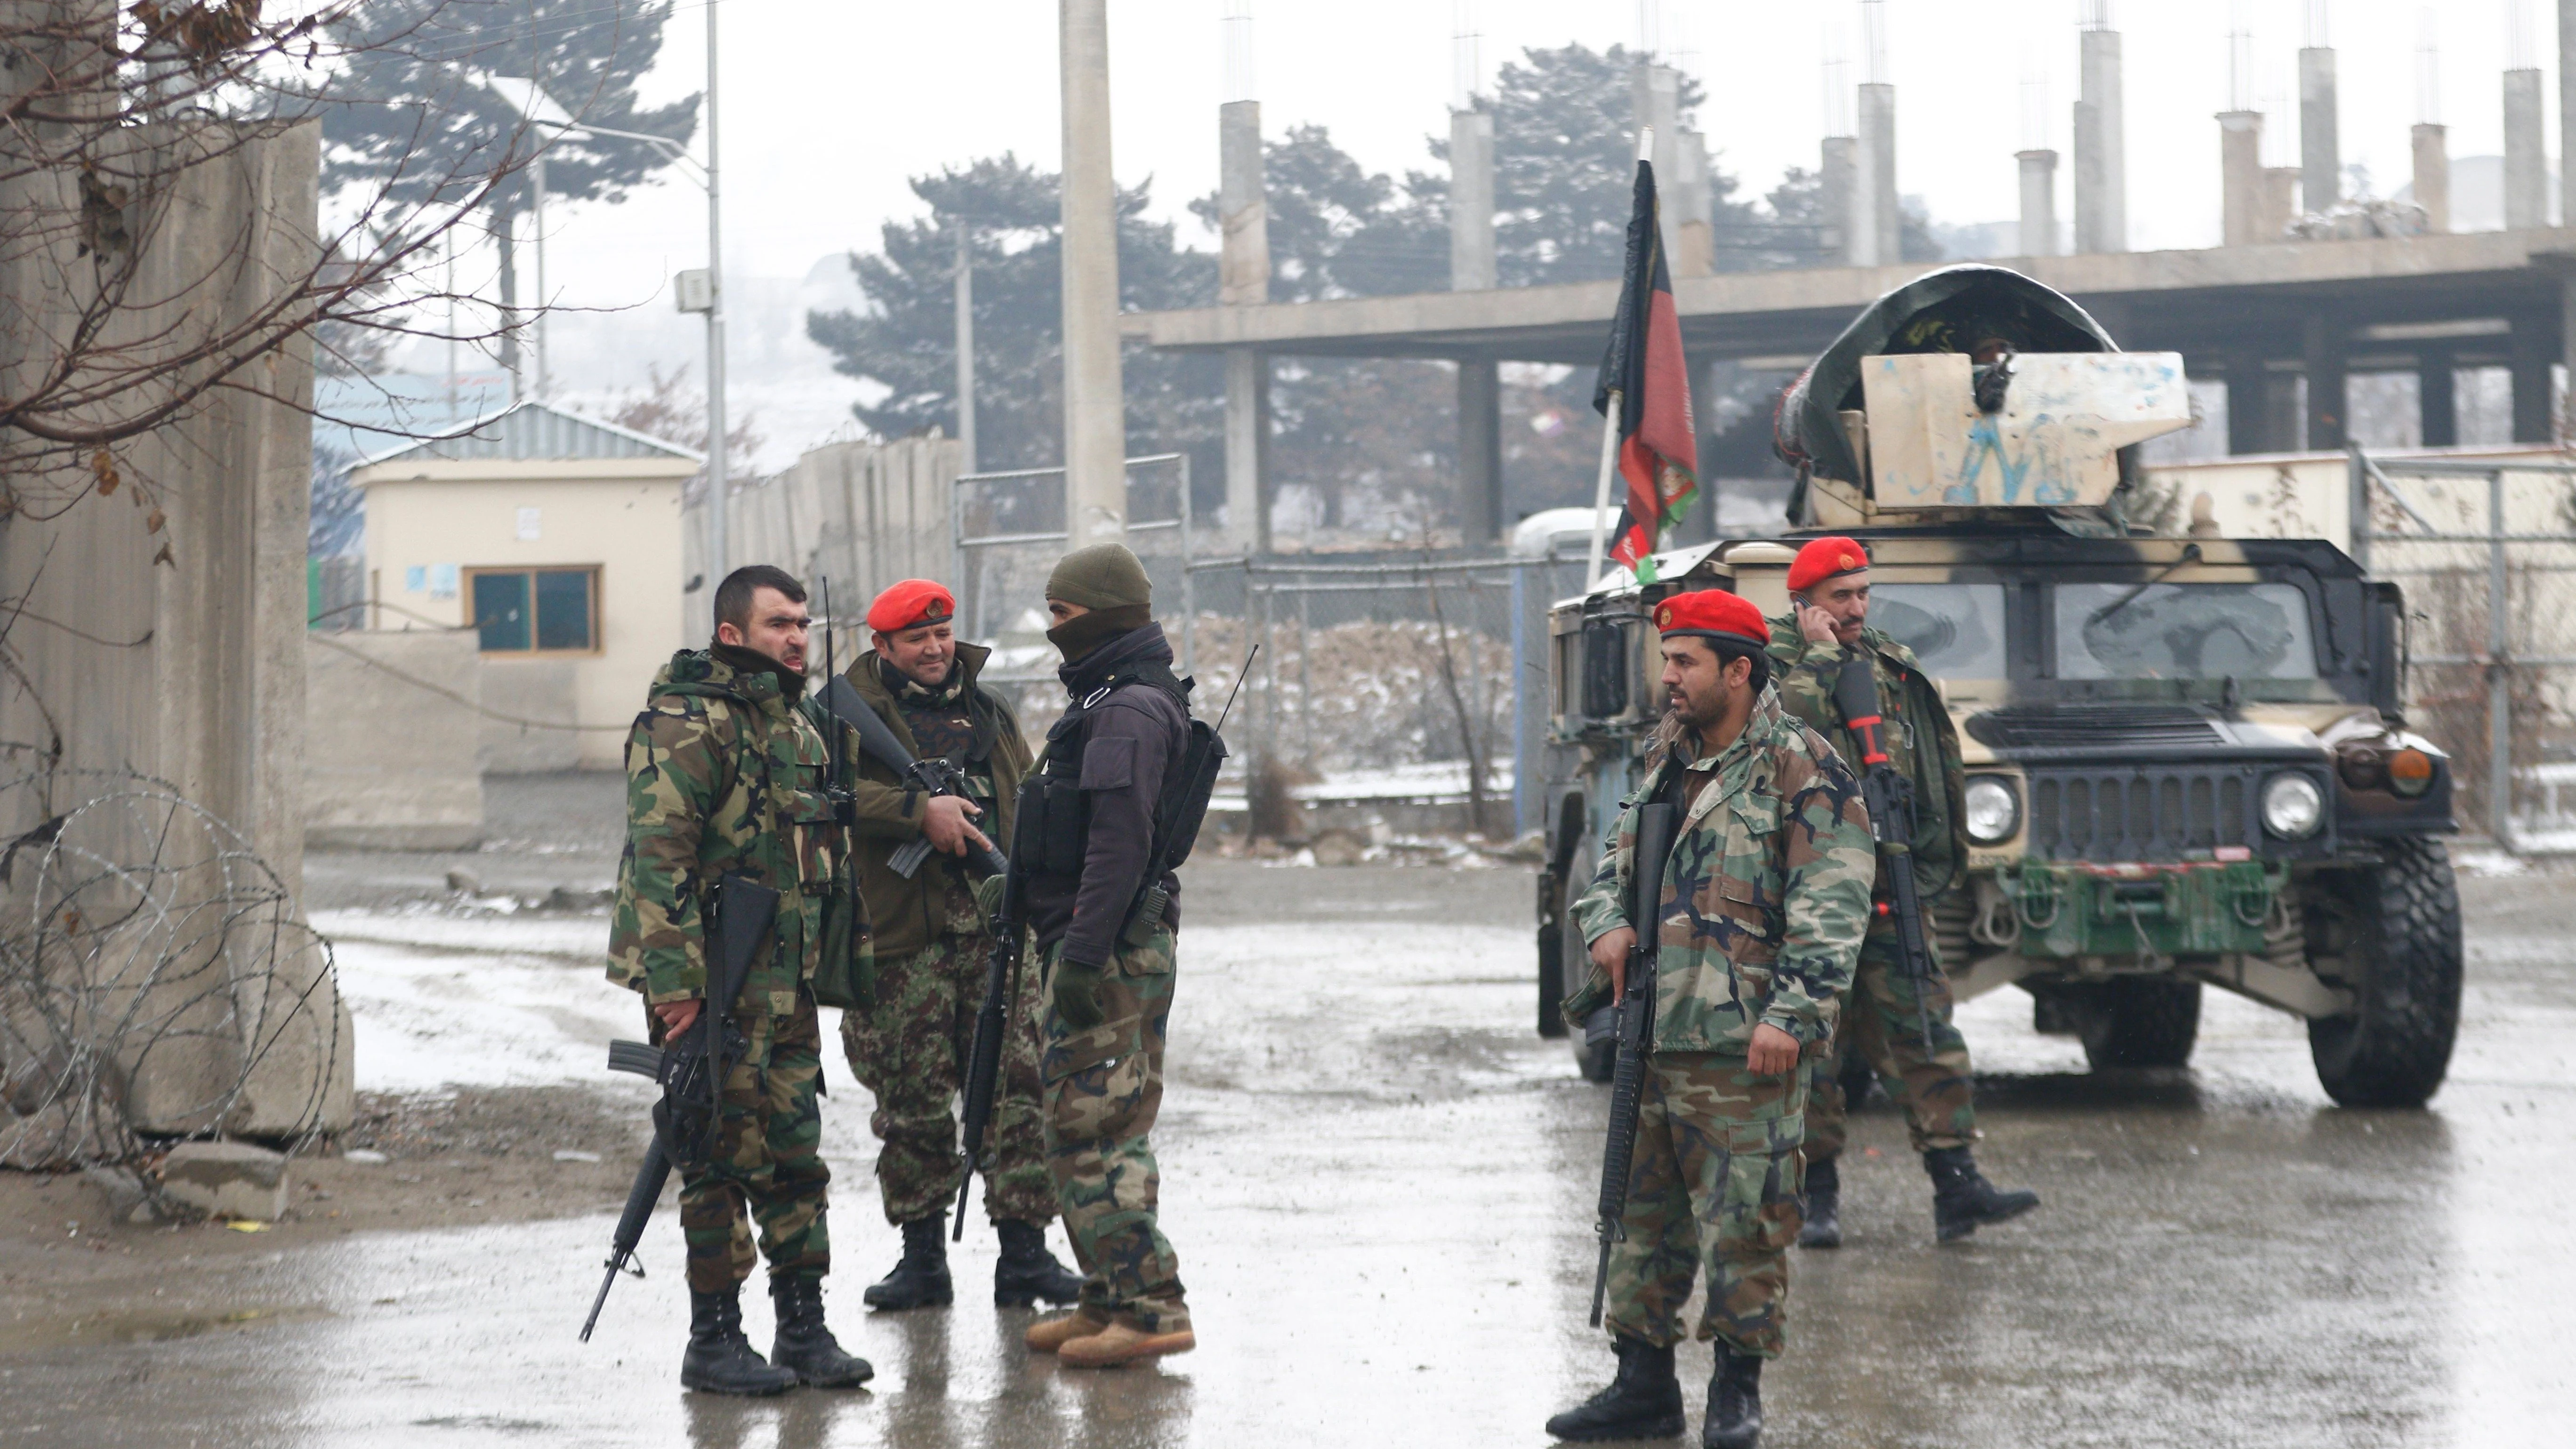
(2404, 917)
(2139, 1021)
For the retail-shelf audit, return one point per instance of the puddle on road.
(91, 1330)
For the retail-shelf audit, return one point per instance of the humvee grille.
(2102, 726)
(2128, 813)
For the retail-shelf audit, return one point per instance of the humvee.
(2188, 763)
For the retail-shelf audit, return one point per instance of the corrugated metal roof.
(536, 430)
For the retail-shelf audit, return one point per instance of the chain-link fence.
(2486, 554)
(1009, 530)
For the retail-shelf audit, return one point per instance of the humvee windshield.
(1956, 630)
(2183, 631)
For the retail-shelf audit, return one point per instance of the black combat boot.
(1824, 1225)
(1734, 1402)
(1643, 1402)
(1962, 1198)
(1027, 1274)
(804, 1347)
(720, 1360)
(920, 1279)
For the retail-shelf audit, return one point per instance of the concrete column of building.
(2437, 408)
(2248, 404)
(1875, 209)
(2038, 202)
(2320, 150)
(1243, 280)
(2526, 153)
(2101, 149)
(2279, 202)
(1480, 450)
(2433, 174)
(2240, 181)
(1693, 208)
(1841, 238)
(2535, 402)
(1471, 201)
(1654, 95)
(1095, 412)
(2322, 352)
(2566, 93)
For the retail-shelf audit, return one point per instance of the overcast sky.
(829, 105)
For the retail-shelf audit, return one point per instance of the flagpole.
(1610, 435)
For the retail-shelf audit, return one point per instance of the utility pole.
(1095, 411)
(537, 225)
(965, 342)
(716, 501)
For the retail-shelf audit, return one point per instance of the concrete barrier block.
(226, 1179)
(390, 739)
(542, 690)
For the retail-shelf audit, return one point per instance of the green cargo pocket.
(1121, 1031)
(1145, 951)
(846, 975)
(1758, 1208)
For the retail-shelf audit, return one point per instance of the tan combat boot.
(1120, 1344)
(1055, 1333)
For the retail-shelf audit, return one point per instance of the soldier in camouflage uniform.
(726, 773)
(909, 1044)
(1829, 589)
(1765, 901)
(1104, 914)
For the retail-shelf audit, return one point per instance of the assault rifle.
(1890, 799)
(930, 777)
(1173, 838)
(692, 1069)
(1636, 1034)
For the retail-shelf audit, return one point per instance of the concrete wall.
(2309, 495)
(388, 764)
(520, 696)
(188, 663)
(621, 515)
(868, 514)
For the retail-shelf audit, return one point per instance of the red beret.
(1824, 559)
(1716, 613)
(914, 601)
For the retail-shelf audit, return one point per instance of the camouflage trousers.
(768, 1160)
(1937, 1088)
(1715, 1179)
(1104, 1085)
(910, 1046)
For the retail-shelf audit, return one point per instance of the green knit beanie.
(1103, 576)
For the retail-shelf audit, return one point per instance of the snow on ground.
(444, 1000)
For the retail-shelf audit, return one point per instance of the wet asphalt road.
(1379, 1182)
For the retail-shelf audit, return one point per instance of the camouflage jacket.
(1766, 896)
(909, 914)
(723, 775)
(1911, 704)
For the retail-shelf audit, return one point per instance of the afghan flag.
(1658, 439)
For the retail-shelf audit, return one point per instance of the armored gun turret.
(2188, 760)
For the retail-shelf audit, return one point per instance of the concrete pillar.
(2240, 181)
(1243, 207)
(2535, 404)
(2038, 202)
(2526, 154)
(2567, 323)
(964, 301)
(2280, 202)
(1480, 451)
(2320, 153)
(1875, 205)
(2249, 404)
(2437, 408)
(1841, 240)
(1654, 94)
(1247, 450)
(1692, 208)
(1095, 412)
(2101, 149)
(2433, 175)
(1471, 201)
(1243, 280)
(2322, 345)
(2566, 93)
